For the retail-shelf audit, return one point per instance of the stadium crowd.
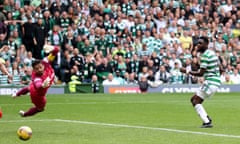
(119, 41)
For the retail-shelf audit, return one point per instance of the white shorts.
(206, 90)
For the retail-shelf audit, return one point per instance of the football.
(24, 133)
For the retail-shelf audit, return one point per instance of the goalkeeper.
(42, 78)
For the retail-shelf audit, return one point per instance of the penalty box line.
(124, 126)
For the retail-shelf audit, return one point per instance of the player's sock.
(31, 112)
(22, 91)
(202, 113)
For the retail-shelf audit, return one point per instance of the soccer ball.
(24, 133)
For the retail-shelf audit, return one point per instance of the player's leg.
(204, 92)
(32, 111)
(197, 104)
(39, 105)
(22, 91)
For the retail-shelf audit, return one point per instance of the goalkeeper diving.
(41, 79)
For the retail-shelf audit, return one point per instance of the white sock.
(202, 113)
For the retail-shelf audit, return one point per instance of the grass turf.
(122, 119)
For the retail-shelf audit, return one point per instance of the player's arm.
(41, 84)
(52, 50)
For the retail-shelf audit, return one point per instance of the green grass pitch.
(122, 119)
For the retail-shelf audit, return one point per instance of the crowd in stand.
(119, 41)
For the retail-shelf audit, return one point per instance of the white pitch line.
(87, 103)
(125, 126)
(148, 128)
(27, 120)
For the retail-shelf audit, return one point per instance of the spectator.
(38, 39)
(89, 68)
(121, 65)
(72, 85)
(28, 59)
(65, 71)
(3, 30)
(131, 79)
(103, 70)
(151, 66)
(189, 79)
(162, 75)
(176, 75)
(28, 34)
(22, 52)
(69, 40)
(186, 40)
(12, 48)
(26, 78)
(55, 36)
(174, 60)
(118, 77)
(95, 84)
(76, 63)
(110, 80)
(235, 77)
(228, 80)
(119, 51)
(143, 73)
(156, 60)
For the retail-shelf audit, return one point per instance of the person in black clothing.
(28, 34)
(56, 18)
(103, 69)
(3, 28)
(39, 38)
(57, 6)
(95, 84)
(134, 65)
(156, 60)
(77, 61)
(65, 67)
(89, 68)
(143, 62)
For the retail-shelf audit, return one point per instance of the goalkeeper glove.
(48, 48)
(46, 83)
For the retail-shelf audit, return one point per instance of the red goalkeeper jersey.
(38, 80)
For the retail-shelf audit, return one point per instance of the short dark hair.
(205, 39)
(36, 62)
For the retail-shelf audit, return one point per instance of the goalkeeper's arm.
(41, 84)
(52, 50)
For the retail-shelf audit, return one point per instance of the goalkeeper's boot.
(21, 113)
(14, 95)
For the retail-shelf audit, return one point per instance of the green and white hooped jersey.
(210, 62)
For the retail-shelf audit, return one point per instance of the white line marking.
(88, 103)
(25, 120)
(125, 126)
(148, 128)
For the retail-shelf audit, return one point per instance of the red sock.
(23, 91)
(31, 112)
